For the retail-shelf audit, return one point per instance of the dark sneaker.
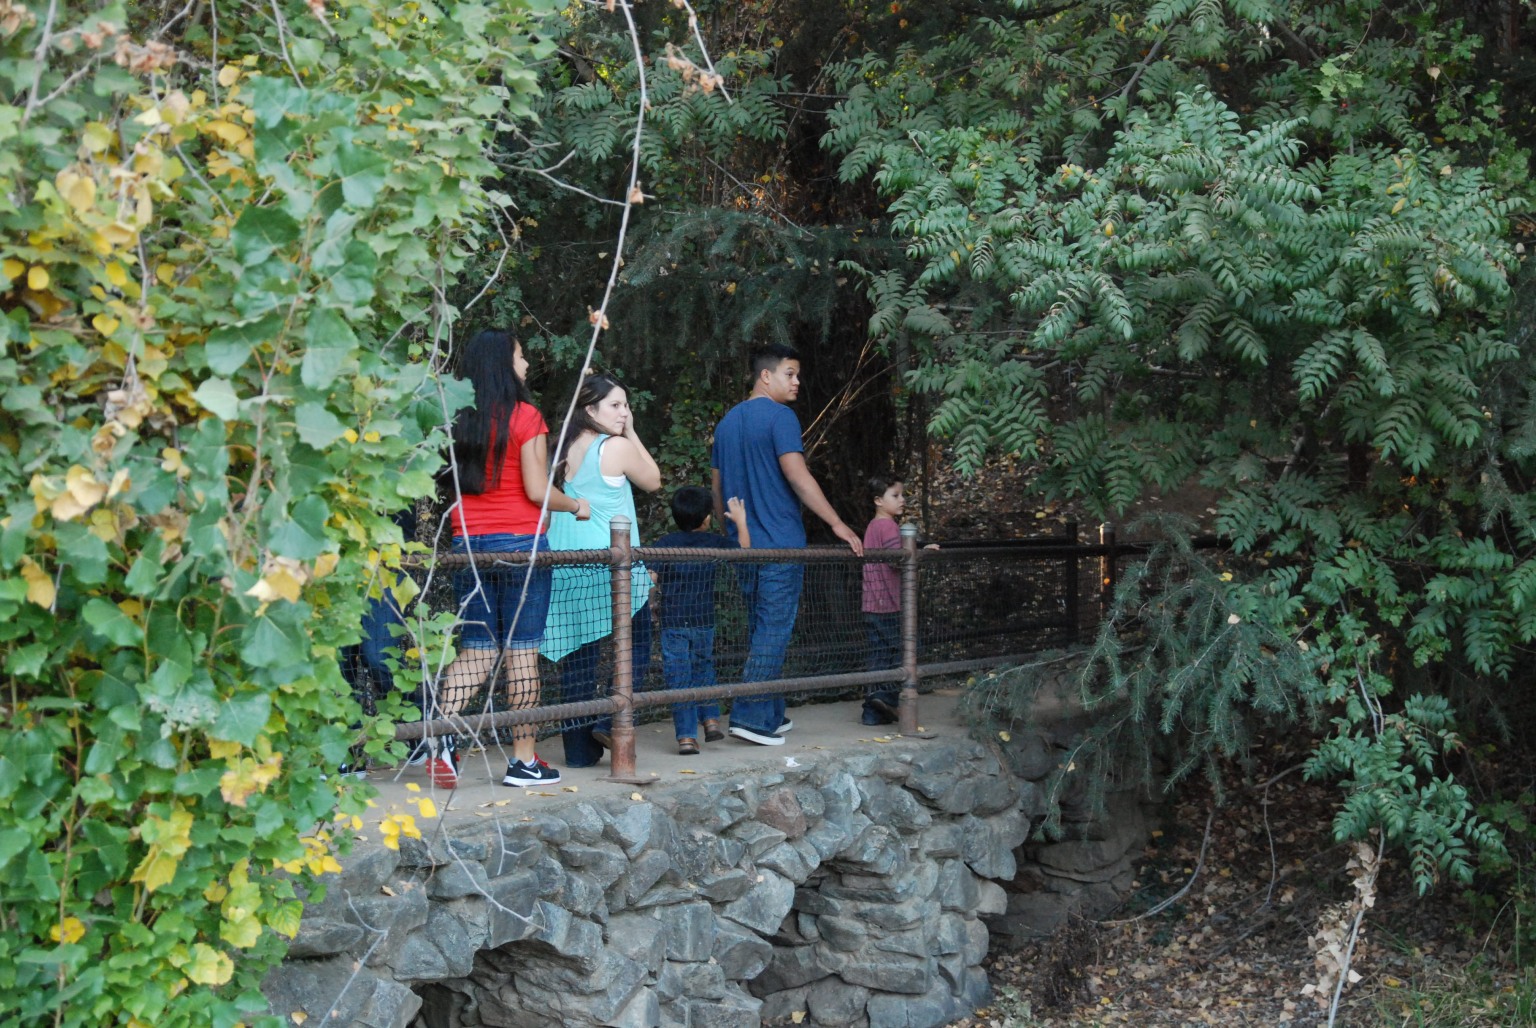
(881, 708)
(712, 731)
(524, 775)
(353, 771)
(760, 738)
(784, 726)
(443, 762)
(419, 754)
(602, 738)
(873, 718)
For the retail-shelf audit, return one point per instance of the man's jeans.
(772, 592)
(688, 662)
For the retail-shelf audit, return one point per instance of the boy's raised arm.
(736, 510)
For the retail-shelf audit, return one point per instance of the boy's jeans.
(688, 662)
(772, 592)
(883, 634)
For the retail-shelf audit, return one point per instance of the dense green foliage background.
(1267, 248)
(1264, 248)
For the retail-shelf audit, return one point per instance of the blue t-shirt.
(688, 587)
(748, 443)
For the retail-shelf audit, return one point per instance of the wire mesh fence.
(962, 604)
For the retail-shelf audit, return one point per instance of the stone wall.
(853, 892)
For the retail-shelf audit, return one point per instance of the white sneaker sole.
(747, 735)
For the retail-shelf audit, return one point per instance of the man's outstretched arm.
(805, 486)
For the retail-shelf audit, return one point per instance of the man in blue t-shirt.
(758, 456)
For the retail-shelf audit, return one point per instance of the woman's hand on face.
(583, 510)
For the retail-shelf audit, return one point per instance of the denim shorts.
(490, 613)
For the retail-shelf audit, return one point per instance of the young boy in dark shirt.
(688, 609)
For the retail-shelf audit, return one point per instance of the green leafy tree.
(1253, 246)
(228, 240)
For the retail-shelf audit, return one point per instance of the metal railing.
(965, 607)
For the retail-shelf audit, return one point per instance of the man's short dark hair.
(878, 484)
(770, 355)
(690, 506)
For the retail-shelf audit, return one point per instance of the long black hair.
(590, 393)
(481, 431)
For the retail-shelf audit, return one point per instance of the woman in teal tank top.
(599, 459)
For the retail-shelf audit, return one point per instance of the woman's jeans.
(578, 681)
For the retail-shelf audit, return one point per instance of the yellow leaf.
(427, 807)
(37, 278)
(40, 588)
(79, 191)
(105, 324)
(276, 584)
(97, 137)
(69, 930)
(325, 564)
(242, 933)
(208, 966)
(229, 75)
(220, 749)
(299, 1017)
(166, 273)
(1005, 736)
(247, 776)
(227, 131)
(14, 269)
(412, 787)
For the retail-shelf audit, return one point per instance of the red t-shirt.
(505, 507)
(882, 582)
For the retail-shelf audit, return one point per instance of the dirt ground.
(1239, 945)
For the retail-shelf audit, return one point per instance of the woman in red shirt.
(501, 459)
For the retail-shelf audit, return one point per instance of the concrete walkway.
(820, 729)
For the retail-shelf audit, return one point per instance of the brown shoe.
(688, 746)
(712, 732)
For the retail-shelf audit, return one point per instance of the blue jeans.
(688, 662)
(578, 681)
(772, 592)
(882, 632)
(491, 612)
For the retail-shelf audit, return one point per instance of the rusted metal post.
(621, 766)
(1106, 569)
(1071, 585)
(907, 707)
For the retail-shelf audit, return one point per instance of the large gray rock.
(690, 980)
(733, 1010)
(439, 949)
(765, 906)
(742, 955)
(832, 1001)
(631, 828)
(514, 910)
(322, 937)
(353, 995)
(690, 931)
(787, 861)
